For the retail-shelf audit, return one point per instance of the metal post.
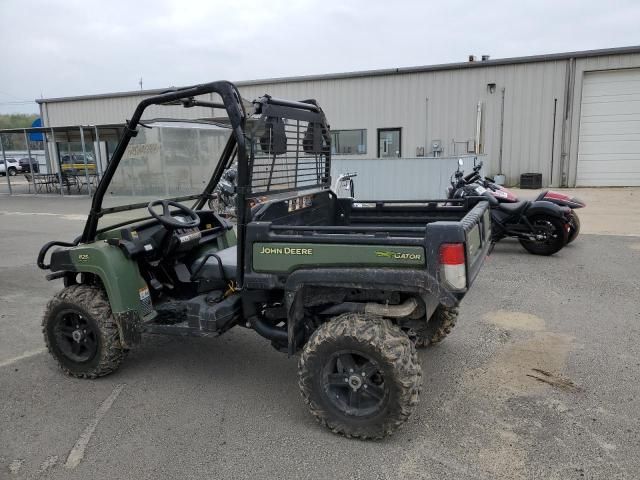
(163, 163)
(98, 154)
(57, 155)
(45, 147)
(6, 166)
(84, 154)
(33, 178)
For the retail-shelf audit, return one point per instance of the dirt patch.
(635, 246)
(515, 320)
(509, 371)
(525, 366)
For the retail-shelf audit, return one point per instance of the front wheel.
(574, 227)
(81, 333)
(360, 376)
(551, 235)
(13, 172)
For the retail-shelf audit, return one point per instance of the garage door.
(609, 141)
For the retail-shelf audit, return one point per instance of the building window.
(348, 142)
(389, 143)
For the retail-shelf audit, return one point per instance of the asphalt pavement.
(539, 379)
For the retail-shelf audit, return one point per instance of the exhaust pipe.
(390, 311)
(393, 311)
(272, 333)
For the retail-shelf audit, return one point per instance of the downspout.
(553, 140)
(478, 128)
(566, 121)
(501, 133)
(426, 126)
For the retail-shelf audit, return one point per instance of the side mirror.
(460, 162)
(274, 140)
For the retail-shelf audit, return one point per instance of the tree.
(15, 141)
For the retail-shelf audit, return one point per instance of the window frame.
(337, 153)
(390, 129)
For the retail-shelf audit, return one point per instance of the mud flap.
(129, 328)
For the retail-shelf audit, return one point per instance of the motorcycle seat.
(513, 208)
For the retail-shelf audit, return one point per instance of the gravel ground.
(539, 379)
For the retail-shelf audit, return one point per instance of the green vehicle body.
(286, 257)
(353, 286)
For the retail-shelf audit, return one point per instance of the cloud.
(71, 47)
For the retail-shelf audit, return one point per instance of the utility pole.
(140, 83)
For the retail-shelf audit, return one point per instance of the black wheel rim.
(354, 384)
(75, 336)
(547, 230)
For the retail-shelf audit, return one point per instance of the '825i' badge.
(83, 257)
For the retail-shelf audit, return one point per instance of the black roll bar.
(232, 102)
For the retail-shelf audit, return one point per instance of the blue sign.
(36, 137)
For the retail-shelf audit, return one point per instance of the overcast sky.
(55, 48)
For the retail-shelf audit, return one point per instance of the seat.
(513, 208)
(210, 271)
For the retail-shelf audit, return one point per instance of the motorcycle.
(542, 227)
(504, 195)
(344, 183)
(223, 199)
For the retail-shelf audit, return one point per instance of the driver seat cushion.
(513, 208)
(210, 271)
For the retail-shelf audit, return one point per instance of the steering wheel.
(168, 220)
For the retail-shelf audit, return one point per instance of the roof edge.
(374, 73)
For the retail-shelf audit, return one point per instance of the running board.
(201, 316)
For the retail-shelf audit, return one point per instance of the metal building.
(573, 117)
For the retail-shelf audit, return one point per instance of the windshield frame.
(234, 107)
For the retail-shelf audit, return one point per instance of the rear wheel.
(81, 333)
(574, 224)
(438, 327)
(360, 376)
(551, 235)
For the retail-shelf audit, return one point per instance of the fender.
(418, 281)
(542, 207)
(126, 289)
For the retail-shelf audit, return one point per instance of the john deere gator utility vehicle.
(350, 288)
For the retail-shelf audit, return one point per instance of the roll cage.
(279, 145)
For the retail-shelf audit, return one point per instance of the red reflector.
(452, 254)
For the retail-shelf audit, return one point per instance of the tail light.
(453, 265)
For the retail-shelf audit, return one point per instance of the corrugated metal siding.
(450, 113)
(400, 100)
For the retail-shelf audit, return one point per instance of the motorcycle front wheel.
(553, 235)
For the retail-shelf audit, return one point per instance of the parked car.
(74, 164)
(13, 167)
(26, 165)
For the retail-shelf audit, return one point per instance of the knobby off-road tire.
(551, 245)
(438, 327)
(574, 223)
(372, 354)
(81, 333)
